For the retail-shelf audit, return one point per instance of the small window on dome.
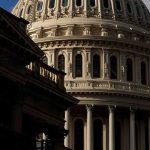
(129, 8)
(118, 6)
(92, 3)
(29, 9)
(106, 4)
(52, 4)
(78, 3)
(20, 13)
(64, 3)
(39, 6)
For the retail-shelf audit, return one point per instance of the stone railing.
(47, 73)
(105, 85)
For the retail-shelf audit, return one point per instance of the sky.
(9, 4)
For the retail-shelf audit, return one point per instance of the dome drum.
(103, 46)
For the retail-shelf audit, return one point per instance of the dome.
(104, 48)
(117, 14)
(78, 34)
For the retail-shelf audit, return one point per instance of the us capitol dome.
(104, 48)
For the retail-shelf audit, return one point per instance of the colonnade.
(111, 135)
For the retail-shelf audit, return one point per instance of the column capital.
(89, 107)
(111, 108)
(132, 109)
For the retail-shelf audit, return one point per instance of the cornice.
(136, 47)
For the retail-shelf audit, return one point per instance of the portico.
(111, 120)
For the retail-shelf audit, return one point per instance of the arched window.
(78, 3)
(20, 13)
(92, 3)
(118, 6)
(29, 9)
(39, 5)
(98, 134)
(51, 3)
(61, 62)
(106, 3)
(129, 8)
(113, 67)
(96, 66)
(64, 3)
(143, 73)
(79, 135)
(78, 65)
(129, 69)
(117, 135)
(138, 12)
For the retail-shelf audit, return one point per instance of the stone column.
(132, 130)
(85, 8)
(105, 64)
(52, 58)
(113, 9)
(68, 64)
(67, 126)
(88, 63)
(137, 72)
(123, 67)
(99, 3)
(89, 127)
(104, 136)
(70, 8)
(111, 129)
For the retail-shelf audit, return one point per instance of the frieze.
(119, 46)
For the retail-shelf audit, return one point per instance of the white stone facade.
(104, 48)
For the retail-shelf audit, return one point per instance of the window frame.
(29, 9)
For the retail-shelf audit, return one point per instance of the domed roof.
(132, 12)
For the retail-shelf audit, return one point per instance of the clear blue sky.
(9, 4)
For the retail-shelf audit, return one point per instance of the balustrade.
(42, 70)
(108, 85)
